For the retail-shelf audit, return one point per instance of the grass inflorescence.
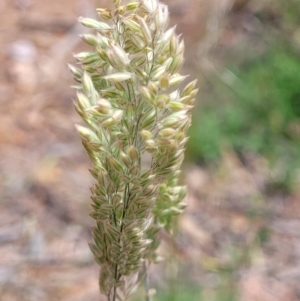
(134, 115)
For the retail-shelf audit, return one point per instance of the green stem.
(115, 288)
(146, 282)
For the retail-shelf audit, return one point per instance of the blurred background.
(239, 239)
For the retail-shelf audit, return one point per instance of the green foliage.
(181, 294)
(290, 11)
(260, 113)
(193, 293)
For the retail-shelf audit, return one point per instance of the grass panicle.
(134, 114)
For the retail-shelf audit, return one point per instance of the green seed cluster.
(133, 115)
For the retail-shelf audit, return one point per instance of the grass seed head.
(129, 98)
